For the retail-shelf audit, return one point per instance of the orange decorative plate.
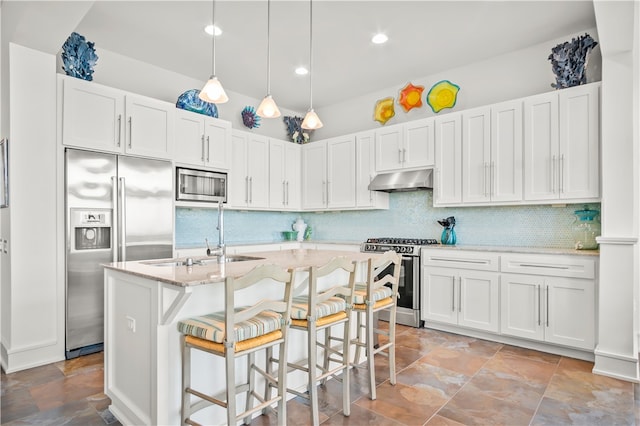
(411, 97)
(442, 95)
(384, 110)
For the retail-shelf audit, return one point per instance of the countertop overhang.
(186, 276)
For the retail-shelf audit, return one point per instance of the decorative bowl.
(289, 235)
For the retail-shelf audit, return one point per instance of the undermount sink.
(202, 262)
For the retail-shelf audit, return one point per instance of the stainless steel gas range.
(408, 312)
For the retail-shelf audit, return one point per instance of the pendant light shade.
(213, 91)
(311, 120)
(268, 107)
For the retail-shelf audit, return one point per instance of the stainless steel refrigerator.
(118, 208)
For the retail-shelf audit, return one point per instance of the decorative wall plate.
(190, 101)
(410, 97)
(384, 110)
(250, 119)
(442, 95)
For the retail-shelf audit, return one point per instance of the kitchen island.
(144, 300)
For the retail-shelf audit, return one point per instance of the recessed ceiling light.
(379, 38)
(302, 71)
(209, 30)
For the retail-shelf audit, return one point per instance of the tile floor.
(443, 379)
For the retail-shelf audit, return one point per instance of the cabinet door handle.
(323, 196)
(208, 149)
(284, 193)
(328, 193)
(539, 306)
(400, 156)
(202, 140)
(484, 178)
(130, 132)
(370, 192)
(547, 306)
(459, 294)
(561, 173)
(246, 189)
(492, 179)
(287, 193)
(453, 294)
(404, 155)
(119, 129)
(553, 174)
(251, 189)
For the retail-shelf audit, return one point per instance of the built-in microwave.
(200, 185)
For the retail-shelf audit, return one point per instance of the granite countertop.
(506, 249)
(268, 243)
(167, 271)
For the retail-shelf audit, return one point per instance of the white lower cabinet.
(542, 298)
(461, 289)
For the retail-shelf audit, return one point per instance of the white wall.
(510, 76)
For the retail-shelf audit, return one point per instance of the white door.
(365, 164)
(569, 317)
(341, 173)
(476, 155)
(92, 116)
(448, 176)
(293, 175)
(505, 169)
(389, 148)
(521, 306)
(238, 180)
(314, 175)
(478, 300)
(149, 127)
(541, 147)
(579, 158)
(277, 181)
(439, 295)
(189, 142)
(419, 144)
(218, 143)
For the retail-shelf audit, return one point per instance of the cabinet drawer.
(557, 266)
(480, 261)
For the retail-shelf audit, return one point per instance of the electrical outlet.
(131, 324)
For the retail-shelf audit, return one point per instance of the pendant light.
(213, 91)
(268, 107)
(311, 120)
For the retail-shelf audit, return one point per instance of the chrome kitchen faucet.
(221, 249)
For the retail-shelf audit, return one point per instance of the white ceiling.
(426, 37)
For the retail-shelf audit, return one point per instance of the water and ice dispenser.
(91, 229)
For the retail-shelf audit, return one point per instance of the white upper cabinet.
(249, 174)
(365, 172)
(405, 146)
(106, 119)
(202, 140)
(329, 174)
(562, 145)
(314, 175)
(447, 184)
(285, 164)
(492, 153)
(341, 172)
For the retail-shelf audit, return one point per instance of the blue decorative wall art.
(79, 57)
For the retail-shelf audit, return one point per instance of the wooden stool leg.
(282, 384)
(346, 388)
(186, 380)
(327, 353)
(231, 383)
(251, 359)
(392, 348)
(359, 341)
(371, 366)
(269, 371)
(313, 390)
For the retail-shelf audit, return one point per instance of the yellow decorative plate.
(411, 97)
(442, 95)
(384, 110)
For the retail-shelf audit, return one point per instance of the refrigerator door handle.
(115, 224)
(123, 220)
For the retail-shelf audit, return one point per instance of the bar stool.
(262, 325)
(322, 309)
(372, 297)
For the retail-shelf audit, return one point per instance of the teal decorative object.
(586, 227)
(250, 119)
(190, 101)
(79, 57)
(448, 236)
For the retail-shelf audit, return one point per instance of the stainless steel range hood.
(403, 181)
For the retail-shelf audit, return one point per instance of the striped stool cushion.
(360, 294)
(211, 326)
(331, 306)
